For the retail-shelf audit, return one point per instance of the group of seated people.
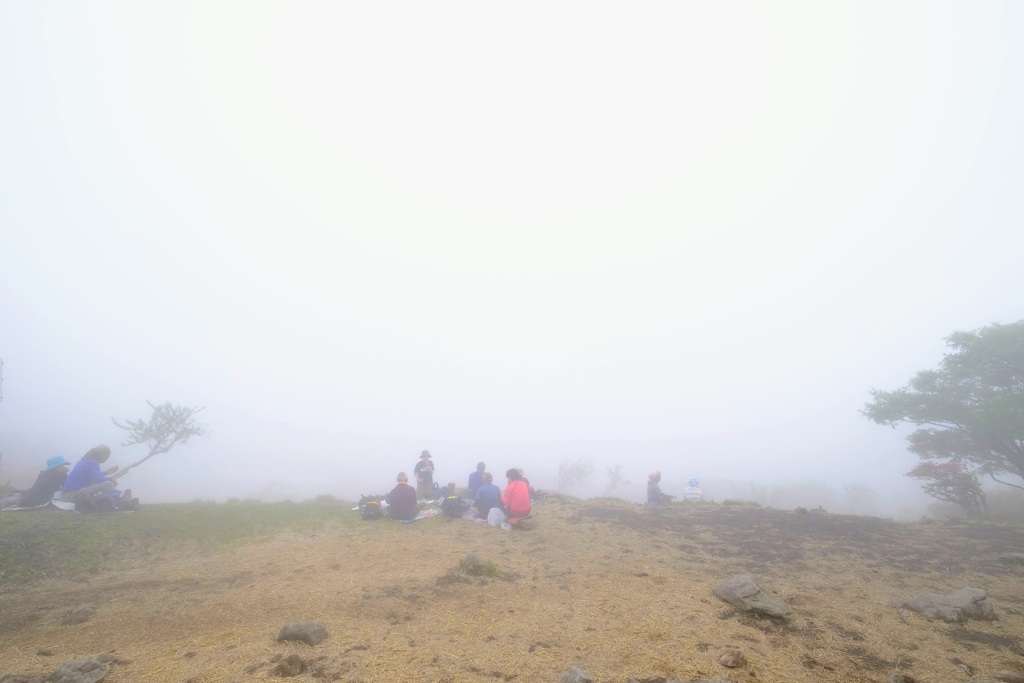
(86, 484)
(499, 508)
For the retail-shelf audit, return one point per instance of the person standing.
(476, 478)
(424, 472)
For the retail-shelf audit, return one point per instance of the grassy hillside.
(199, 592)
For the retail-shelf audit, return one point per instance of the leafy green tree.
(168, 426)
(969, 411)
(952, 483)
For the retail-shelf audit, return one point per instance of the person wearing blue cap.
(693, 492)
(47, 483)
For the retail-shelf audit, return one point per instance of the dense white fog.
(669, 237)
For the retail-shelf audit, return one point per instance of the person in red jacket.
(515, 501)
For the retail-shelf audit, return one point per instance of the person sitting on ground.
(693, 492)
(86, 480)
(402, 500)
(47, 483)
(476, 477)
(487, 496)
(515, 501)
(424, 472)
(654, 495)
(522, 475)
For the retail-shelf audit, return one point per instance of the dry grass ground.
(617, 589)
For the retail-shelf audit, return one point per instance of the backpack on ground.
(369, 508)
(453, 506)
(99, 502)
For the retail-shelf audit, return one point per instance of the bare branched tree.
(168, 426)
(616, 478)
(574, 473)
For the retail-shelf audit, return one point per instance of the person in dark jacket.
(654, 495)
(476, 477)
(47, 483)
(402, 500)
(424, 472)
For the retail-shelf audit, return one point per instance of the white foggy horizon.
(678, 238)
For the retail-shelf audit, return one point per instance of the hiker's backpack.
(98, 502)
(369, 508)
(453, 506)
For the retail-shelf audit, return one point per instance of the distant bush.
(744, 503)
(325, 499)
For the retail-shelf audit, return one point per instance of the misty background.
(676, 238)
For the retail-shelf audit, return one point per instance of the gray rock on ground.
(742, 592)
(575, 675)
(1007, 676)
(292, 665)
(732, 657)
(966, 603)
(79, 614)
(308, 632)
(86, 670)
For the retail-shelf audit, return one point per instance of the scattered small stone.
(86, 670)
(966, 603)
(190, 654)
(1007, 676)
(732, 657)
(292, 665)
(308, 632)
(575, 675)
(45, 652)
(901, 678)
(743, 593)
(79, 614)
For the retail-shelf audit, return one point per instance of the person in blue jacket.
(86, 479)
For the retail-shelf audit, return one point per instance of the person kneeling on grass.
(87, 484)
(402, 500)
(515, 501)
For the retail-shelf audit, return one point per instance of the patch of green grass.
(474, 566)
(49, 542)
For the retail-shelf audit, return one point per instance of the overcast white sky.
(686, 237)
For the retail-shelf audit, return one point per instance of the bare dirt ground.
(622, 591)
